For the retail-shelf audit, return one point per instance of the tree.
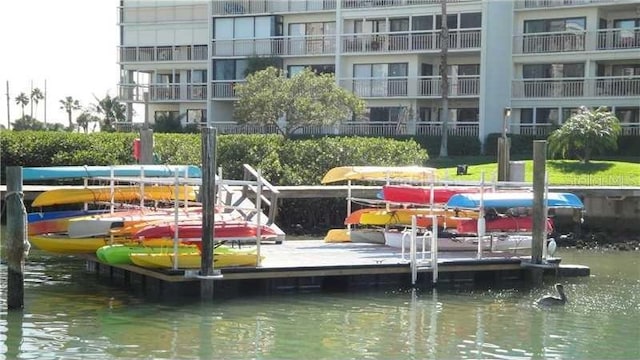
(23, 101)
(112, 109)
(69, 104)
(168, 123)
(85, 119)
(305, 99)
(584, 133)
(27, 123)
(257, 63)
(444, 81)
(36, 96)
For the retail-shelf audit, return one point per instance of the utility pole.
(444, 80)
(45, 103)
(8, 108)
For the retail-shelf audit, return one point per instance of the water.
(70, 315)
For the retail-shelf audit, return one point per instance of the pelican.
(553, 300)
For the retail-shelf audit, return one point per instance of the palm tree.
(444, 81)
(84, 119)
(112, 109)
(68, 104)
(23, 101)
(36, 96)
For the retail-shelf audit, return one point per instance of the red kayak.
(422, 194)
(193, 230)
(500, 224)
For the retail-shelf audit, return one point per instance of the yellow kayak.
(380, 173)
(63, 244)
(120, 194)
(448, 218)
(223, 257)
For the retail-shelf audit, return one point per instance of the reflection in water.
(69, 315)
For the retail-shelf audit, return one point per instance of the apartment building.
(519, 66)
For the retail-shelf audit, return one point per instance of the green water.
(70, 315)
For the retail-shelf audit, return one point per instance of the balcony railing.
(162, 92)
(628, 129)
(569, 41)
(409, 41)
(163, 53)
(420, 87)
(532, 4)
(224, 88)
(277, 46)
(241, 7)
(609, 86)
(359, 4)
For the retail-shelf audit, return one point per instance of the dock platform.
(315, 265)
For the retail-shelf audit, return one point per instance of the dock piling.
(208, 204)
(16, 245)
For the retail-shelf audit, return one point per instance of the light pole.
(504, 145)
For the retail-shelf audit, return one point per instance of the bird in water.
(553, 300)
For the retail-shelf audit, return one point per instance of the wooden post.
(146, 146)
(539, 221)
(504, 145)
(208, 204)
(16, 242)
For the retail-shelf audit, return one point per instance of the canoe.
(510, 242)
(512, 200)
(223, 256)
(422, 194)
(501, 224)
(61, 243)
(120, 194)
(227, 230)
(79, 172)
(446, 218)
(380, 173)
(120, 254)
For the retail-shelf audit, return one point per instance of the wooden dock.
(314, 265)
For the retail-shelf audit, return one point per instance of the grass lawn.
(560, 172)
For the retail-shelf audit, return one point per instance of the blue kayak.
(74, 172)
(512, 200)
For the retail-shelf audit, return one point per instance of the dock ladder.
(423, 264)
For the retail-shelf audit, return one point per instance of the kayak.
(223, 256)
(422, 194)
(119, 253)
(118, 194)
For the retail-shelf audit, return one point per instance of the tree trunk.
(444, 81)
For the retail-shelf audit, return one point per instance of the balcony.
(606, 86)
(277, 46)
(360, 4)
(163, 53)
(628, 129)
(534, 4)
(244, 7)
(391, 42)
(557, 42)
(162, 92)
(421, 87)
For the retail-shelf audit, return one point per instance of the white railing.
(280, 46)
(359, 4)
(453, 128)
(609, 86)
(239, 7)
(163, 53)
(532, 4)
(420, 87)
(570, 41)
(385, 42)
(162, 92)
(224, 88)
(628, 129)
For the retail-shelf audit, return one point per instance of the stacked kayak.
(223, 256)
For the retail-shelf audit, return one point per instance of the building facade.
(519, 66)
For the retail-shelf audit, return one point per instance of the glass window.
(469, 69)
(243, 28)
(568, 113)
(470, 20)
(224, 69)
(425, 114)
(294, 69)
(628, 114)
(398, 69)
(223, 29)
(362, 71)
(422, 23)
(468, 115)
(198, 76)
(194, 115)
(379, 114)
(399, 24)
(573, 70)
(547, 116)
(526, 116)
(452, 21)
